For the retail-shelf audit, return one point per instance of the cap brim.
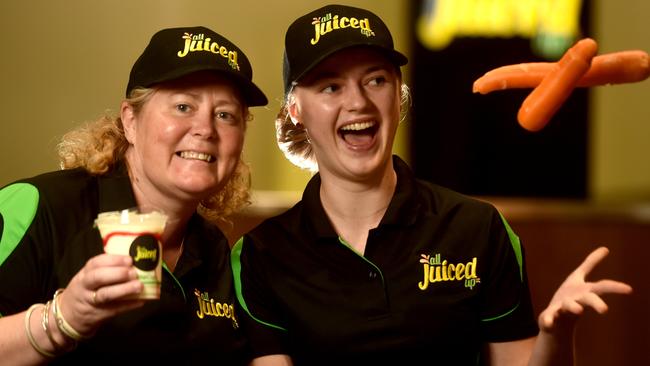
(251, 93)
(397, 58)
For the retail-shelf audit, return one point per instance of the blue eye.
(182, 107)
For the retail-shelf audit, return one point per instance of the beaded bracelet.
(45, 323)
(63, 325)
(30, 337)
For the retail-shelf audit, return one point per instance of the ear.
(127, 115)
(294, 114)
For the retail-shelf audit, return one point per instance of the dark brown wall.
(556, 244)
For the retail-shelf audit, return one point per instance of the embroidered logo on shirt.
(435, 270)
(209, 307)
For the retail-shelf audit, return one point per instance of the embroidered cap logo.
(329, 23)
(198, 42)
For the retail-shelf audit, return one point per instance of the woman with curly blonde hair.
(99, 145)
(175, 147)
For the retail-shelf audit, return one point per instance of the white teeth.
(196, 156)
(357, 126)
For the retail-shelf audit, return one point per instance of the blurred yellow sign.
(552, 25)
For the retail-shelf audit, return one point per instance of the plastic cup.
(137, 234)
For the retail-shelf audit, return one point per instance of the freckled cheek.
(389, 107)
(232, 143)
(319, 118)
(229, 155)
(326, 109)
(164, 135)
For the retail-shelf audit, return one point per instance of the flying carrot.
(610, 68)
(542, 103)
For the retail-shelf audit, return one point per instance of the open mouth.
(194, 155)
(359, 133)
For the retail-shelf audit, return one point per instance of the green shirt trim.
(235, 262)
(18, 206)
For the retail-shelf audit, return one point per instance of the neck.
(354, 208)
(178, 212)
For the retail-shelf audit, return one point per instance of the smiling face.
(186, 140)
(349, 105)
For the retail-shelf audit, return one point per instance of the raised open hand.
(576, 293)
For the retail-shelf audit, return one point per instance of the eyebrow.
(186, 93)
(321, 75)
(198, 96)
(329, 74)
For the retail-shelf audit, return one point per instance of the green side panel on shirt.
(516, 246)
(235, 263)
(18, 205)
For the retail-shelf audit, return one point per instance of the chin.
(200, 188)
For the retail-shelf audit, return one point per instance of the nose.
(356, 98)
(203, 125)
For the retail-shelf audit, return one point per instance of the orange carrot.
(617, 68)
(542, 103)
(610, 68)
(524, 75)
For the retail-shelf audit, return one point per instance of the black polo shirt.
(442, 275)
(48, 235)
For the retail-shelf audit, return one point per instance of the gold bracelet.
(45, 323)
(61, 323)
(30, 337)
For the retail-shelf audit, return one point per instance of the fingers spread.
(592, 260)
(595, 302)
(611, 287)
(571, 306)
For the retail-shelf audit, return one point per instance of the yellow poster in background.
(552, 25)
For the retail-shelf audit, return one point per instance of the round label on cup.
(145, 252)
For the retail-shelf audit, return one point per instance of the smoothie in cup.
(138, 234)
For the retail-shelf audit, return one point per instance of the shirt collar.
(195, 245)
(402, 209)
(115, 191)
(404, 205)
(314, 214)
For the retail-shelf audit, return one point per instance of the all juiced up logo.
(209, 307)
(145, 252)
(437, 270)
(329, 23)
(201, 43)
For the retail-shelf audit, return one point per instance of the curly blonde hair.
(293, 139)
(100, 145)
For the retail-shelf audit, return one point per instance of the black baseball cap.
(175, 52)
(315, 36)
